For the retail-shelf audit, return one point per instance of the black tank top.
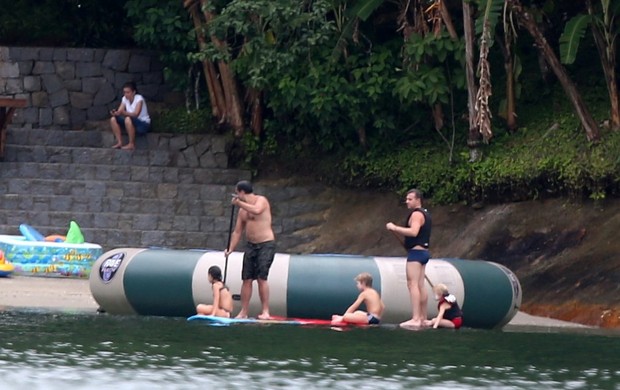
(453, 312)
(424, 235)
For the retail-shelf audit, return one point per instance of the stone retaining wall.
(67, 87)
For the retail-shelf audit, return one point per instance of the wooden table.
(7, 110)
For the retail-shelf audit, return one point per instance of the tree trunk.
(234, 106)
(607, 53)
(509, 67)
(214, 88)
(474, 138)
(256, 118)
(588, 123)
(447, 20)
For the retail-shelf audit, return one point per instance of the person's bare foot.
(129, 147)
(264, 316)
(411, 323)
(336, 319)
(117, 145)
(242, 316)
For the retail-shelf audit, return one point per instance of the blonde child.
(450, 314)
(370, 297)
(222, 299)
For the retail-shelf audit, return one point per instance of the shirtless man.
(255, 218)
(369, 297)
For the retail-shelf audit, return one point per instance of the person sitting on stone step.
(131, 115)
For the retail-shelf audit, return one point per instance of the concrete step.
(141, 173)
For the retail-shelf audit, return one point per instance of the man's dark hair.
(416, 192)
(131, 85)
(244, 186)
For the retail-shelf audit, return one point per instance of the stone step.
(116, 189)
(109, 220)
(93, 146)
(45, 203)
(87, 155)
(97, 138)
(117, 238)
(67, 171)
(73, 138)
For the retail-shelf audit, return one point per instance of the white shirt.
(131, 107)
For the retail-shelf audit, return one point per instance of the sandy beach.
(50, 293)
(67, 294)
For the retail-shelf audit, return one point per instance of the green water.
(43, 350)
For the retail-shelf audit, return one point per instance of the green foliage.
(166, 28)
(571, 37)
(73, 23)
(179, 121)
(435, 69)
(548, 158)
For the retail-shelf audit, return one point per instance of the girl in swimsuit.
(222, 299)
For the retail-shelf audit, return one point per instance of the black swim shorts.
(420, 255)
(257, 260)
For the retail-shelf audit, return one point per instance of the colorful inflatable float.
(6, 268)
(35, 255)
(166, 282)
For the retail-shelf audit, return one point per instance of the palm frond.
(491, 10)
(361, 10)
(571, 37)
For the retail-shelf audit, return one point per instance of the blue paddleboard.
(230, 321)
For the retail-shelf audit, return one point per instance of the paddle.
(402, 243)
(235, 297)
(232, 216)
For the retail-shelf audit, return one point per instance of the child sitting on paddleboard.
(450, 314)
(222, 299)
(369, 297)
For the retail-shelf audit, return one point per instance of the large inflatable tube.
(166, 282)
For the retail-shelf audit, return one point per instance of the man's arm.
(415, 221)
(256, 208)
(235, 237)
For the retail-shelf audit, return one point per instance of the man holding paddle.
(255, 219)
(417, 235)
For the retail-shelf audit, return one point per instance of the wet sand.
(49, 293)
(74, 295)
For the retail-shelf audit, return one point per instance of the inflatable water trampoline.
(167, 282)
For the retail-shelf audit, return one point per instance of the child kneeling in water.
(222, 299)
(450, 314)
(370, 297)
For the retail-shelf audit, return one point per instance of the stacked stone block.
(172, 191)
(67, 87)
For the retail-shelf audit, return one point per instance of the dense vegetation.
(378, 93)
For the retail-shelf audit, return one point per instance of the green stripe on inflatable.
(159, 282)
(319, 286)
(482, 280)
